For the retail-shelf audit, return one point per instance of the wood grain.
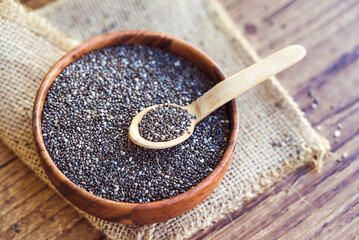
(306, 205)
(28, 202)
(134, 213)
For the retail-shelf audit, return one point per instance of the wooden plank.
(320, 26)
(308, 205)
(28, 202)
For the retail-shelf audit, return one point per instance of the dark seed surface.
(90, 106)
(164, 123)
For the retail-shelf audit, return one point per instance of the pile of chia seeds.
(164, 123)
(90, 106)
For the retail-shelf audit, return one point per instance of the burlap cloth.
(275, 138)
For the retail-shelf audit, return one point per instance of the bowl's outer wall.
(134, 213)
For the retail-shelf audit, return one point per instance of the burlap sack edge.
(44, 28)
(321, 145)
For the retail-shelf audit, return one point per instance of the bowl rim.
(65, 183)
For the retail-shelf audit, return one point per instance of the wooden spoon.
(222, 93)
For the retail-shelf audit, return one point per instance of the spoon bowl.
(136, 138)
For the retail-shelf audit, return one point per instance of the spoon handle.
(240, 82)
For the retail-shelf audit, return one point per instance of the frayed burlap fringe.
(30, 45)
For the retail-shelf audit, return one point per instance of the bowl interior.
(134, 213)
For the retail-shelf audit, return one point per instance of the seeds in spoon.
(165, 122)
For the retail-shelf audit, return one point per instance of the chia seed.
(337, 133)
(313, 105)
(89, 108)
(311, 93)
(15, 226)
(164, 123)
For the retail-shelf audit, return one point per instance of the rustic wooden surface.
(306, 205)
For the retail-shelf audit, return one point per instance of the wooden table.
(306, 205)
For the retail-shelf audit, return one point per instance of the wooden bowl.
(134, 213)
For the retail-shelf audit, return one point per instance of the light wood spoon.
(222, 93)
